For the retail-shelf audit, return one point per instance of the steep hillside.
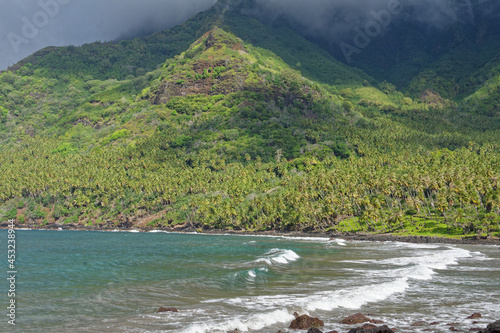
(413, 53)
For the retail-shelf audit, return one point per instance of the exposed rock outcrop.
(474, 316)
(162, 309)
(305, 322)
(380, 329)
(357, 318)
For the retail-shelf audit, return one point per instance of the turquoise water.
(79, 281)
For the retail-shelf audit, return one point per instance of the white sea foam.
(340, 241)
(422, 265)
(307, 239)
(355, 298)
(279, 256)
(433, 260)
(254, 322)
(414, 245)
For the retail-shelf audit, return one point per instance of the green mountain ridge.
(227, 134)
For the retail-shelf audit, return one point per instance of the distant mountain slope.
(413, 54)
(486, 99)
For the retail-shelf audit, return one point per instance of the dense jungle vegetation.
(207, 130)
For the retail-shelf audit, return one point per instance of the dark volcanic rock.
(493, 327)
(368, 326)
(380, 329)
(162, 309)
(376, 321)
(305, 322)
(474, 316)
(314, 330)
(357, 318)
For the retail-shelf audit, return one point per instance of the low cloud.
(337, 18)
(75, 22)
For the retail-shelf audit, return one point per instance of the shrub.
(123, 133)
(11, 214)
(65, 149)
(39, 214)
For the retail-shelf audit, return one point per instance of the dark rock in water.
(357, 318)
(453, 329)
(476, 329)
(368, 326)
(493, 327)
(380, 329)
(474, 316)
(420, 323)
(314, 330)
(332, 332)
(376, 321)
(434, 323)
(162, 309)
(305, 322)
(452, 324)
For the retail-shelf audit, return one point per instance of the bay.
(83, 281)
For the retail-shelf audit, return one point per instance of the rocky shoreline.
(353, 322)
(313, 325)
(474, 240)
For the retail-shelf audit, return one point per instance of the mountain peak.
(217, 63)
(218, 38)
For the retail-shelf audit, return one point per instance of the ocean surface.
(82, 281)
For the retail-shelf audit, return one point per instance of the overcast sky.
(30, 25)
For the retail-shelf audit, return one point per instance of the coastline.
(433, 322)
(368, 237)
